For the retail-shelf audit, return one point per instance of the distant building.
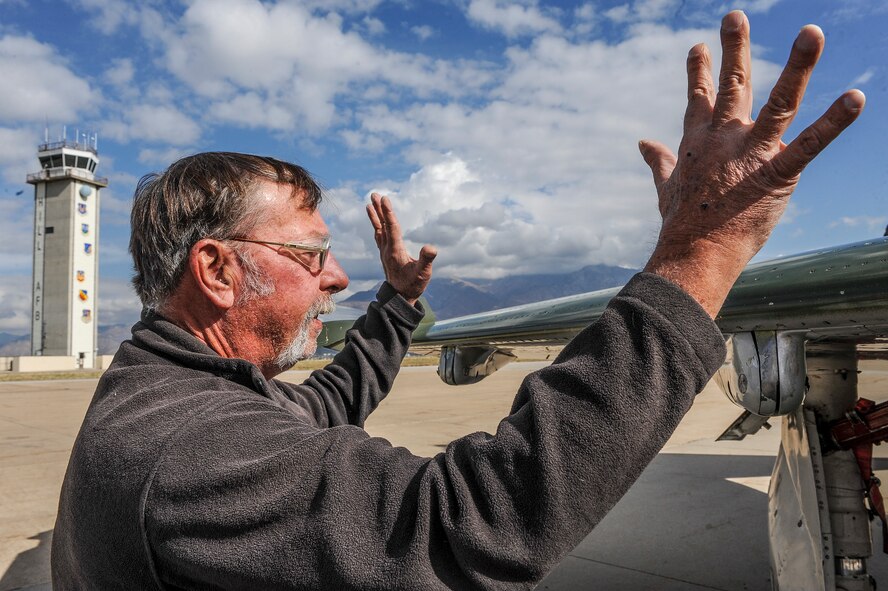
(66, 250)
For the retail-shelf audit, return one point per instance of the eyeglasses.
(310, 256)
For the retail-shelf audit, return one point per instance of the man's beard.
(303, 344)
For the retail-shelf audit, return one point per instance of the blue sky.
(505, 132)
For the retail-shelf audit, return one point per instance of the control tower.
(66, 256)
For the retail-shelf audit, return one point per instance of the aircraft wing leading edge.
(838, 292)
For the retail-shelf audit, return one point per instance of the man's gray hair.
(201, 196)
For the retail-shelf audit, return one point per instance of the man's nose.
(333, 277)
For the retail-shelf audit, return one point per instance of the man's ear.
(214, 269)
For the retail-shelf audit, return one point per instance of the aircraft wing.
(834, 292)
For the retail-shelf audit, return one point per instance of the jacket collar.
(155, 333)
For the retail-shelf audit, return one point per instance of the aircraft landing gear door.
(819, 529)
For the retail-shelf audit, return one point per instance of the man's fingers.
(734, 99)
(373, 215)
(659, 158)
(392, 227)
(374, 212)
(427, 254)
(782, 105)
(792, 160)
(701, 92)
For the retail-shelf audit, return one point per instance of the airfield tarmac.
(696, 519)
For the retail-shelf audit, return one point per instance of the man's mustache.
(323, 305)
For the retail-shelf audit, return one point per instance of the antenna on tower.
(45, 130)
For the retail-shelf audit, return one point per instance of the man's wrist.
(704, 269)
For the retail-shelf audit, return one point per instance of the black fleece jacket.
(192, 471)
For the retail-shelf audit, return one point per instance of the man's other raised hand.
(407, 275)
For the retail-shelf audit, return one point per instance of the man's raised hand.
(721, 197)
(407, 275)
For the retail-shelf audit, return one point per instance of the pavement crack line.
(34, 427)
(644, 572)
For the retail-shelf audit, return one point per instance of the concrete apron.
(696, 519)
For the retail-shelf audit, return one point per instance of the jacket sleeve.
(280, 505)
(348, 389)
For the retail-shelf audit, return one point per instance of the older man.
(195, 469)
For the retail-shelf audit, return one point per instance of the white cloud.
(344, 6)
(37, 83)
(423, 32)
(116, 210)
(162, 157)
(547, 140)
(653, 10)
(121, 72)
(618, 14)
(556, 149)
(750, 6)
(252, 110)
(585, 12)
(585, 19)
(109, 15)
(18, 153)
(17, 159)
(851, 10)
(373, 26)
(282, 67)
(792, 213)
(521, 166)
(118, 302)
(864, 78)
(15, 304)
(662, 11)
(156, 123)
(512, 19)
(16, 227)
(870, 223)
